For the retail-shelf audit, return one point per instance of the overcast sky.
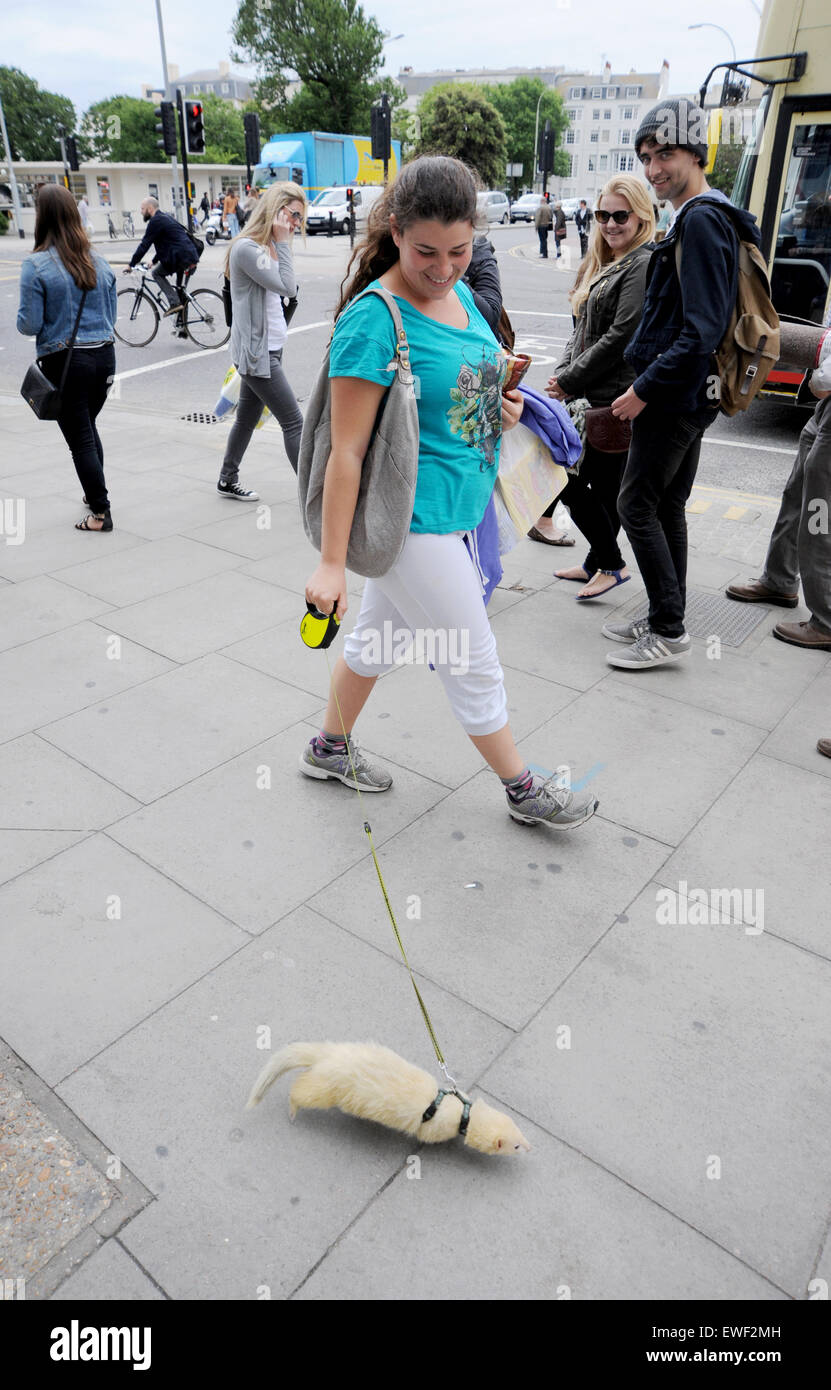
(89, 49)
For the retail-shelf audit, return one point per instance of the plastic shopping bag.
(229, 398)
(529, 480)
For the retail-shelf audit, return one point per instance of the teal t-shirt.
(459, 374)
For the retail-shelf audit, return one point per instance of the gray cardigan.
(253, 273)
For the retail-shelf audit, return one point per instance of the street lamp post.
(536, 136)
(721, 31)
(174, 167)
(18, 214)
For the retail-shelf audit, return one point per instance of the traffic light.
(194, 128)
(251, 121)
(546, 154)
(381, 129)
(71, 147)
(166, 126)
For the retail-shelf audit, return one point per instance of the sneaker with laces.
(651, 649)
(547, 803)
(339, 765)
(625, 632)
(240, 494)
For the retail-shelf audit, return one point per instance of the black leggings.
(90, 375)
(591, 497)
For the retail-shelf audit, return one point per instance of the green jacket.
(593, 364)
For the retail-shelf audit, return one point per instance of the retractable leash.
(319, 630)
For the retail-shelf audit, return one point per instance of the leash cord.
(368, 828)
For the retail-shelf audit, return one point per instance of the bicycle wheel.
(138, 318)
(205, 319)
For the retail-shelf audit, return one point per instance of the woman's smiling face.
(433, 255)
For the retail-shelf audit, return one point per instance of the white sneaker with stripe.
(651, 649)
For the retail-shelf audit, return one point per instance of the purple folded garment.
(552, 422)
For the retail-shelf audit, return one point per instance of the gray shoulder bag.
(384, 508)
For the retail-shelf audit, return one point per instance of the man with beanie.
(674, 397)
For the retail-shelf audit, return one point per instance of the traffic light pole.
(183, 139)
(174, 168)
(61, 134)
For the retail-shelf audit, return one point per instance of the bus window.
(802, 266)
(744, 176)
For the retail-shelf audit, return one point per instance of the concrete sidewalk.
(176, 898)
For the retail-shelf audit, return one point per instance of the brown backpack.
(750, 348)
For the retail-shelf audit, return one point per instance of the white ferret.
(374, 1083)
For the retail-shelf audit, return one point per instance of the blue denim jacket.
(49, 302)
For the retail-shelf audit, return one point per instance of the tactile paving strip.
(713, 615)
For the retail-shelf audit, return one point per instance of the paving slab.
(49, 551)
(506, 911)
(256, 838)
(33, 697)
(152, 739)
(257, 534)
(700, 752)
(548, 636)
(109, 1274)
(39, 606)
(794, 740)
(45, 790)
(698, 1060)
(550, 1225)
(98, 915)
(247, 1200)
(147, 571)
(20, 850)
(747, 840)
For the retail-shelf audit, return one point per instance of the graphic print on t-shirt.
(476, 413)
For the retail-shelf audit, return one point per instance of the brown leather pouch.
(605, 433)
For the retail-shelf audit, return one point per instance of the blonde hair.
(600, 254)
(271, 201)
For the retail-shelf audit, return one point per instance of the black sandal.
(106, 520)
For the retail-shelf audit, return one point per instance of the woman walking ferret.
(374, 1083)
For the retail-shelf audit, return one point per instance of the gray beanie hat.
(678, 122)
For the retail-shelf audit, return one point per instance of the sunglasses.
(618, 217)
(295, 216)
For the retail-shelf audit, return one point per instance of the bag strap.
(402, 347)
(71, 343)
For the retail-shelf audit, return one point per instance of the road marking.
(730, 493)
(538, 313)
(202, 352)
(735, 513)
(700, 505)
(736, 444)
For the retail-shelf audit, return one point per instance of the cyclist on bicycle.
(175, 252)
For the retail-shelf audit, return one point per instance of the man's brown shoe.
(824, 747)
(803, 635)
(757, 592)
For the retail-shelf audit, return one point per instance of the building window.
(611, 93)
(596, 93)
(626, 137)
(196, 87)
(607, 114)
(594, 138)
(632, 92)
(579, 113)
(596, 114)
(226, 86)
(591, 164)
(625, 163)
(576, 94)
(604, 162)
(570, 137)
(574, 163)
(605, 135)
(627, 113)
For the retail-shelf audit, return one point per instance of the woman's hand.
(282, 228)
(512, 407)
(627, 406)
(555, 390)
(327, 589)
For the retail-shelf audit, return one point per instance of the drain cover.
(713, 615)
(199, 417)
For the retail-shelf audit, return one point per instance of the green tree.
(332, 46)
(454, 118)
(723, 173)
(224, 132)
(516, 103)
(121, 129)
(33, 116)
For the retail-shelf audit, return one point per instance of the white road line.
(736, 444)
(202, 352)
(537, 313)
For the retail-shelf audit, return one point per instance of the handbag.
(289, 305)
(605, 432)
(43, 395)
(384, 508)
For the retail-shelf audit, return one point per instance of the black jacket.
(482, 275)
(593, 365)
(582, 220)
(174, 248)
(684, 322)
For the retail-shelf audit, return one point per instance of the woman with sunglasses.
(607, 300)
(261, 272)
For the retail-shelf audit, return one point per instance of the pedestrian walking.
(249, 205)
(229, 213)
(800, 544)
(543, 219)
(607, 300)
(64, 282)
(582, 221)
(260, 269)
(673, 398)
(205, 208)
(560, 228)
(86, 220)
(418, 247)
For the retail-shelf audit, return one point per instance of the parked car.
(494, 206)
(524, 208)
(570, 206)
(334, 201)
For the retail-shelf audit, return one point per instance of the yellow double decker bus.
(784, 176)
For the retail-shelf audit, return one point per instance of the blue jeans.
(233, 223)
(657, 481)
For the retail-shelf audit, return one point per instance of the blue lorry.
(318, 159)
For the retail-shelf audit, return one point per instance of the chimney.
(224, 69)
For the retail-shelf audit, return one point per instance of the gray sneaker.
(555, 806)
(338, 765)
(651, 649)
(625, 632)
